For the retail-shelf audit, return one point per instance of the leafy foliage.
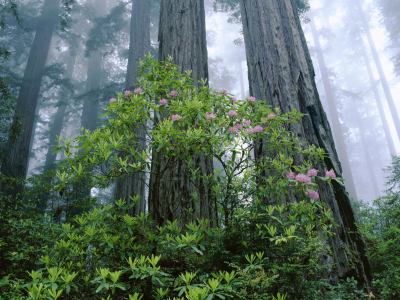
(259, 250)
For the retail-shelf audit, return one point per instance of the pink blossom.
(270, 117)
(223, 92)
(251, 99)
(176, 117)
(312, 172)
(163, 102)
(232, 113)
(258, 129)
(330, 174)
(312, 194)
(210, 116)
(239, 126)
(291, 175)
(233, 130)
(303, 178)
(138, 91)
(112, 100)
(248, 122)
(128, 93)
(233, 100)
(174, 93)
(249, 131)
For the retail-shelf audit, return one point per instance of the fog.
(336, 24)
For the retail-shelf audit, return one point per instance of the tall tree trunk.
(382, 75)
(58, 120)
(337, 126)
(182, 35)
(17, 155)
(364, 143)
(388, 135)
(139, 46)
(281, 72)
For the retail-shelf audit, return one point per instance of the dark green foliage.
(232, 7)
(380, 224)
(105, 29)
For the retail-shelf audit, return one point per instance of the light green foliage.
(261, 250)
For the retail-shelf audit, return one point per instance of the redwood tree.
(281, 72)
(139, 46)
(17, 155)
(182, 35)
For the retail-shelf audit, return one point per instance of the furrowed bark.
(139, 46)
(182, 35)
(281, 72)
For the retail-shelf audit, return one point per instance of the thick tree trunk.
(281, 72)
(182, 35)
(337, 126)
(388, 135)
(385, 85)
(58, 120)
(139, 46)
(17, 155)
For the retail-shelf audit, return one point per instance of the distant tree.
(139, 46)
(17, 155)
(333, 111)
(390, 10)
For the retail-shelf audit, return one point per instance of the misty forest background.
(354, 46)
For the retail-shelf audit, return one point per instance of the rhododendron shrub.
(271, 228)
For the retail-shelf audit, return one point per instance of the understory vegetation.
(270, 240)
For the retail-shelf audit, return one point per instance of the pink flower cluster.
(223, 92)
(138, 91)
(232, 113)
(176, 117)
(112, 100)
(291, 175)
(312, 172)
(303, 178)
(163, 102)
(251, 99)
(233, 130)
(210, 116)
(248, 122)
(239, 126)
(312, 194)
(270, 117)
(258, 129)
(249, 131)
(233, 100)
(174, 93)
(330, 174)
(128, 93)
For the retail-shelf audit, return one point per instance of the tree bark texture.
(18, 154)
(385, 85)
(337, 126)
(182, 34)
(281, 72)
(139, 46)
